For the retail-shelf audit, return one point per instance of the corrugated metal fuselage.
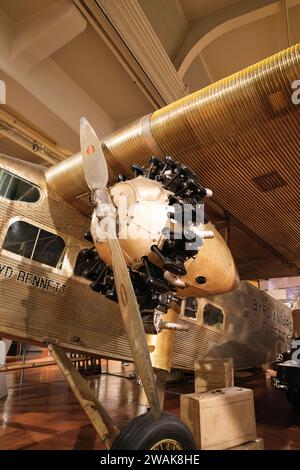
(41, 304)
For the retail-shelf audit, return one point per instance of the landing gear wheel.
(293, 396)
(146, 433)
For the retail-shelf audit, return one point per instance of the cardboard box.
(221, 418)
(212, 373)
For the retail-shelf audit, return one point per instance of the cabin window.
(14, 188)
(35, 243)
(213, 316)
(190, 308)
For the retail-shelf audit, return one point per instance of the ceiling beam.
(206, 68)
(46, 81)
(286, 21)
(42, 34)
(204, 31)
(134, 42)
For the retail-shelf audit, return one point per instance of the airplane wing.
(242, 136)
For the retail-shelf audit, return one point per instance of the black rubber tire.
(143, 432)
(293, 396)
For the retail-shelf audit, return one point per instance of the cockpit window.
(14, 188)
(35, 243)
(190, 308)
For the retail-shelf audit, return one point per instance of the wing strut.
(98, 416)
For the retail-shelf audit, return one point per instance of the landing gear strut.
(145, 432)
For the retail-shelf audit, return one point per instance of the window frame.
(39, 227)
(201, 306)
(182, 316)
(33, 185)
(199, 320)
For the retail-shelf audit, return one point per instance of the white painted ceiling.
(230, 49)
(19, 10)
(194, 9)
(91, 64)
(245, 46)
(108, 91)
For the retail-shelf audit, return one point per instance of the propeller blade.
(96, 173)
(93, 159)
(133, 324)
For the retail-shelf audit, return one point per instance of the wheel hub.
(166, 444)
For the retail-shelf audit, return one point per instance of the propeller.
(96, 174)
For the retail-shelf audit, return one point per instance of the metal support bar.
(161, 346)
(31, 364)
(143, 405)
(285, 10)
(161, 378)
(90, 404)
(18, 132)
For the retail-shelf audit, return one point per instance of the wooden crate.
(221, 418)
(212, 373)
(258, 444)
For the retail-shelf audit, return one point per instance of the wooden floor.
(42, 413)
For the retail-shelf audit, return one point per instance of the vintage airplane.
(157, 271)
